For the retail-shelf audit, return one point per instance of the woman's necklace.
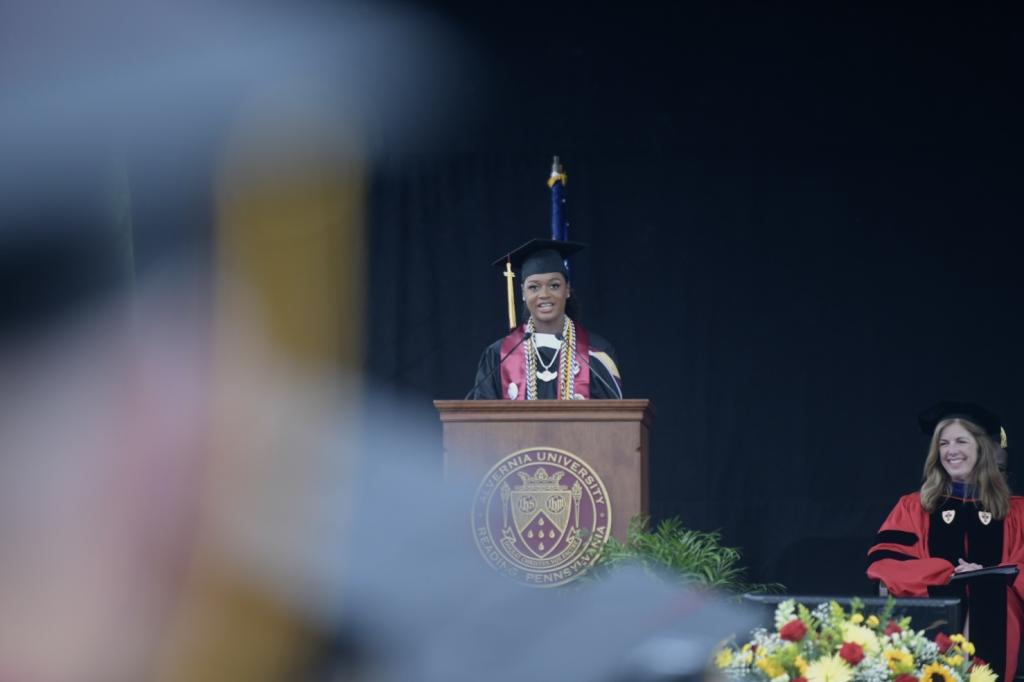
(568, 368)
(546, 374)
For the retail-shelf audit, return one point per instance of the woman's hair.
(989, 482)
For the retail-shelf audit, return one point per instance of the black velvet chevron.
(966, 537)
(880, 554)
(896, 537)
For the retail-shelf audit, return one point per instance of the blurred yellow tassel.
(509, 276)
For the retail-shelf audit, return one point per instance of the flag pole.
(557, 182)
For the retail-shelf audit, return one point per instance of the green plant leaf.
(693, 556)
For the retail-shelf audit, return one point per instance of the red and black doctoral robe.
(915, 552)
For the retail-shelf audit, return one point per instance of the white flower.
(823, 614)
(924, 650)
(871, 669)
(769, 641)
(784, 613)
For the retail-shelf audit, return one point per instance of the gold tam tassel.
(509, 276)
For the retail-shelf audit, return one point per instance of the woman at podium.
(550, 356)
(937, 540)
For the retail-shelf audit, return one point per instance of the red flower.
(905, 678)
(852, 653)
(793, 631)
(978, 662)
(801, 679)
(943, 641)
(892, 628)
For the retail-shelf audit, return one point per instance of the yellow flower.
(771, 668)
(872, 621)
(724, 658)
(829, 669)
(801, 665)
(936, 672)
(969, 648)
(958, 638)
(982, 673)
(955, 660)
(899, 661)
(858, 634)
(856, 619)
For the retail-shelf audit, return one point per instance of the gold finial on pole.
(557, 173)
(509, 276)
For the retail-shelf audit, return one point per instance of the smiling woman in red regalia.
(551, 356)
(962, 519)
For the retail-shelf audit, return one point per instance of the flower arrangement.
(829, 644)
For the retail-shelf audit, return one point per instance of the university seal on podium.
(541, 516)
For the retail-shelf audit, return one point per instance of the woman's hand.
(964, 567)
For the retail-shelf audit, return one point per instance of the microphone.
(504, 357)
(612, 391)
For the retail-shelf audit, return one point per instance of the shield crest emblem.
(948, 515)
(541, 510)
(985, 517)
(536, 522)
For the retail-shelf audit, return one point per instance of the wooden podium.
(610, 436)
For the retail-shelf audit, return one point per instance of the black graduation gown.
(602, 359)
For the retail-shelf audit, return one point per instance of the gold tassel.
(509, 276)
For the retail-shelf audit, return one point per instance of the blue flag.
(559, 223)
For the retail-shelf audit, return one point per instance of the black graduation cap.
(540, 255)
(972, 412)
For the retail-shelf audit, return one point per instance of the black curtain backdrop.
(803, 229)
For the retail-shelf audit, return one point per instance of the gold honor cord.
(509, 276)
